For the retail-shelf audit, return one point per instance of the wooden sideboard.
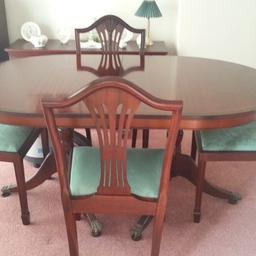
(4, 39)
(22, 48)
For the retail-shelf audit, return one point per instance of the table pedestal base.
(44, 172)
(185, 166)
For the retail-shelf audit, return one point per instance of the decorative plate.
(29, 29)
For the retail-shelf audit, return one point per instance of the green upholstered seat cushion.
(144, 168)
(12, 137)
(240, 138)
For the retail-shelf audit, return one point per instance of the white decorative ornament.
(39, 41)
(125, 38)
(64, 35)
(90, 44)
(29, 29)
(127, 35)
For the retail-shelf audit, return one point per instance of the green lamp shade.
(148, 9)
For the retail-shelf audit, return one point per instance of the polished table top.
(214, 93)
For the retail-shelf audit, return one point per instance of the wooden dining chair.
(15, 142)
(227, 144)
(112, 178)
(108, 31)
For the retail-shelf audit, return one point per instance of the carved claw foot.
(7, 190)
(136, 231)
(96, 226)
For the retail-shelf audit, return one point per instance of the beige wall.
(219, 29)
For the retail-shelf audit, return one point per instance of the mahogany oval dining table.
(215, 94)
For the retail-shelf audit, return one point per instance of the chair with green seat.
(112, 178)
(228, 144)
(15, 142)
(109, 31)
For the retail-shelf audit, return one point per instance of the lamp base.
(148, 41)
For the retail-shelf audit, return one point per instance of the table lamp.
(148, 9)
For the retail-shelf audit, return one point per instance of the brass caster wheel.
(234, 198)
(96, 226)
(136, 235)
(137, 229)
(6, 191)
(96, 232)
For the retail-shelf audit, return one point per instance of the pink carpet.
(225, 230)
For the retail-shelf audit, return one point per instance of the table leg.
(185, 166)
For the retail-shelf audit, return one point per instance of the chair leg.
(78, 216)
(145, 138)
(20, 179)
(199, 189)
(157, 233)
(134, 137)
(70, 220)
(45, 142)
(88, 136)
(193, 146)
